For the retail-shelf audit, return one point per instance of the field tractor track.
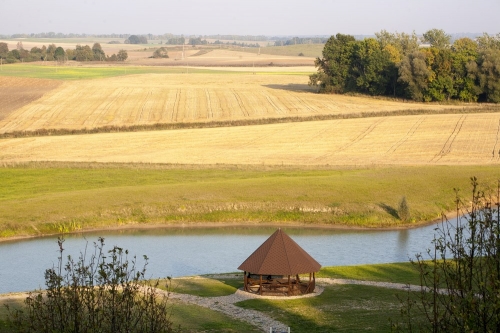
(301, 101)
(107, 107)
(276, 108)
(357, 139)
(240, 103)
(175, 109)
(144, 104)
(408, 135)
(449, 142)
(210, 112)
(496, 143)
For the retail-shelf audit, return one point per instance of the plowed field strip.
(364, 141)
(17, 92)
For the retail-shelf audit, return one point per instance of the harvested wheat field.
(172, 98)
(16, 92)
(404, 140)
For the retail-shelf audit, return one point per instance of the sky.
(248, 17)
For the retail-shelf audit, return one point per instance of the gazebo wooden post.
(289, 286)
(245, 281)
(260, 286)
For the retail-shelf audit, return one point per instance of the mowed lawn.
(50, 198)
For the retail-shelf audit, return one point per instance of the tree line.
(403, 65)
(297, 40)
(55, 53)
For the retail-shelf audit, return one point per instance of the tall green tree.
(440, 80)
(465, 54)
(486, 42)
(59, 54)
(4, 49)
(369, 68)
(122, 55)
(99, 54)
(437, 38)
(83, 53)
(334, 67)
(488, 74)
(414, 73)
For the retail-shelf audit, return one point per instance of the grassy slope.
(40, 199)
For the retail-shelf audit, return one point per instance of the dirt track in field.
(173, 98)
(18, 92)
(404, 140)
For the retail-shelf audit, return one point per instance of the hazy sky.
(248, 17)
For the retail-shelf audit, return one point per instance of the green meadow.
(64, 72)
(47, 198)
(308, 50)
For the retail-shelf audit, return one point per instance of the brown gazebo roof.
(280, 255)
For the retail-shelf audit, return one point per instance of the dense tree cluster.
(176, 41)
(160, 53)
(134, 39)
(197, 41)
(396, 64)
(54, 53)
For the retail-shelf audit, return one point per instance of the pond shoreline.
(199, 225)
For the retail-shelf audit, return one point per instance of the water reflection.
(190, 251)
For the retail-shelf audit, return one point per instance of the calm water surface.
(186, 251)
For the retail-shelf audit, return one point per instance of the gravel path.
(225, 304)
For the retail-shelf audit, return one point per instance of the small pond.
(191, 251)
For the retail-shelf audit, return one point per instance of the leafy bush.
(103, 294)
(404, 210)
(460, 280)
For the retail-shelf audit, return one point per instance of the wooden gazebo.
(274, 268)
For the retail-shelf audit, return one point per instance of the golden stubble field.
(460, 139)
(173, 98)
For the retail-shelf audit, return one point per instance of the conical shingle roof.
(280, 255)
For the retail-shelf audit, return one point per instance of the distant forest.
(426, 68)
(55, 53)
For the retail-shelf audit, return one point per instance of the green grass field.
(308, 50)
(65, 72)
(85, 72)
(42, 198)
